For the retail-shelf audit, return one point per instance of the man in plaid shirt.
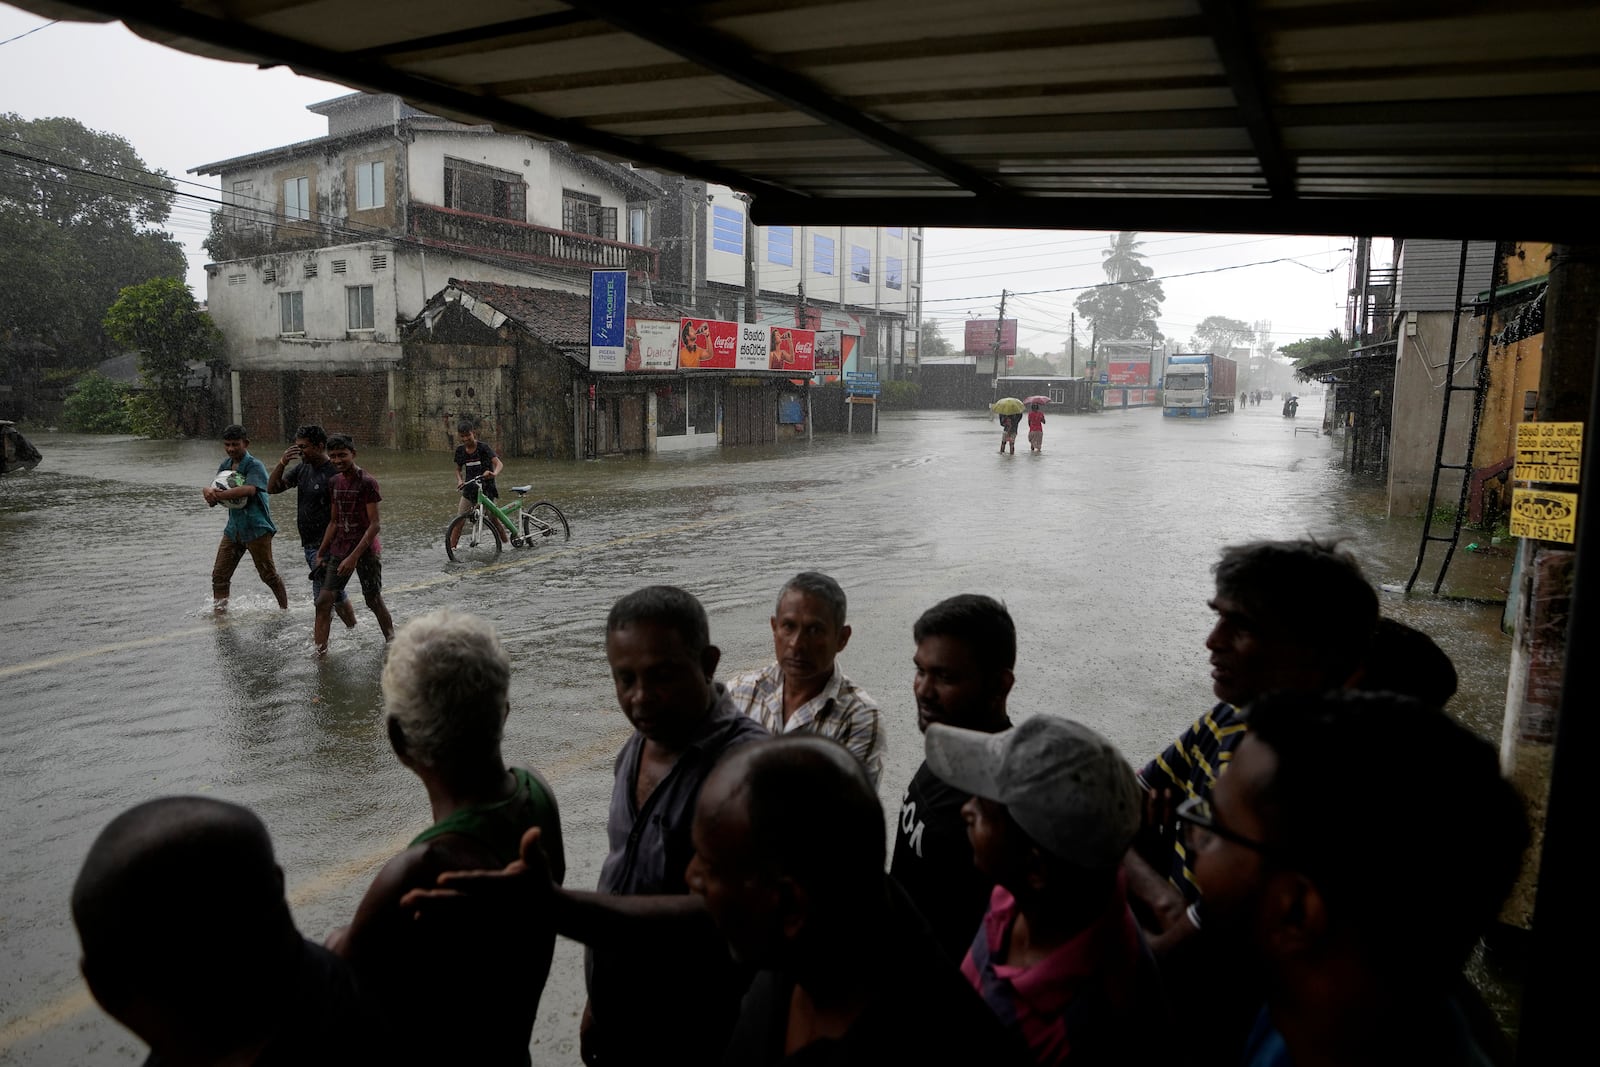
(805, 691)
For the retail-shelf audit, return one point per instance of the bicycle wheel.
(542, 520)
(466, 542)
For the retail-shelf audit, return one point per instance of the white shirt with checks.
(843, 712)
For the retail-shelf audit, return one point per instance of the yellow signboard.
(1544, 515)
(1549, 452)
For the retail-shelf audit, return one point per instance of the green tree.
(97, 405)
(1313, 349)
(931, 344)
(80, 219)
(1028, 363)
(161, 320)
(1129, 302)
(1220, 334)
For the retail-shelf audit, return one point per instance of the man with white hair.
(1059, 957)
(445, 687)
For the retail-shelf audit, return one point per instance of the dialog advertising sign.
(793, 351)
(608, 319)
(1128, 372)
(706, 344)
(1544, 514)
(652, 345)
(753, 345)
(829, 352)
(980, 337)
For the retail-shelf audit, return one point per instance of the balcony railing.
(468, 232)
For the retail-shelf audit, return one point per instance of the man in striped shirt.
(1291, 615)
(804, 691)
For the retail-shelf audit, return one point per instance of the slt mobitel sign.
(1549, 453)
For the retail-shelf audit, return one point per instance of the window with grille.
(291, 313)
(236, 279)
(269, 275)
(583, 213)
(297, 198)
(339, 266)
(822, 250)
(311, 269)
(780, 245)
(636, 225)
(369, 185)
(358, 301)
(380, 261)
(485, 190)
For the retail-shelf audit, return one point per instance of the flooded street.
(118, 685)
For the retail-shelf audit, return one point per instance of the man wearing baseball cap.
(1059, 957)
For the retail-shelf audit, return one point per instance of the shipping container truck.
(1198, 385)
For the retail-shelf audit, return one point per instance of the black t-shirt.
(325, 1019)
(314, 507)
(933, 862)
(927, 1012)
(472, 464)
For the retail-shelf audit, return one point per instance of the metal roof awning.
(1427, 118)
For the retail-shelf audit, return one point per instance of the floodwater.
(118, 685)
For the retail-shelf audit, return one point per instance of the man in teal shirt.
(250, 526)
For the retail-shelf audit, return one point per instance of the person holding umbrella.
(1036, 422)
(1010, 410)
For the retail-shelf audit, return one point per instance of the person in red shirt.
(350, 545)
(1036, 428)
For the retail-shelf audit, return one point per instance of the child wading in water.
(350, 545)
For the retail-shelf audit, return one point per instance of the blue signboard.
(1105, 379)
(862, 384)
(608, 319)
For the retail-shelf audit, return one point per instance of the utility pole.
(1072, 341)
(999, 328)
(749, 261)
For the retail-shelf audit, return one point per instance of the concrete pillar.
(1558, 748)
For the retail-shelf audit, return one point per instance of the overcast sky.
(180, 111)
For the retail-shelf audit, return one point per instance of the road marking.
(72, 1003)
(427, 583)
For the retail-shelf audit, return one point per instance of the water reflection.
(120, 685)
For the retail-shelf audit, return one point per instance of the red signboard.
(707, 344)
(1128, 372)
(793, 350)
(981, 333)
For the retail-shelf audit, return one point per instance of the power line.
(27, 33)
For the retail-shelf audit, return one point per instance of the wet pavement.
(117, 685)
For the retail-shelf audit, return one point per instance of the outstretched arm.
(596, 919)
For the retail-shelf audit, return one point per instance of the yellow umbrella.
(1008, 405)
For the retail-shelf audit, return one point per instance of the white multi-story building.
(864, 281)
(324, 246)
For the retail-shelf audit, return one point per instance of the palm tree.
(1123, 259)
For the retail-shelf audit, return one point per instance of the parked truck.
(1198, 385)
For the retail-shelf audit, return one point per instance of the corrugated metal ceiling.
(1419, 117)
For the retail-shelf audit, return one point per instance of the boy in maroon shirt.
(350, 545)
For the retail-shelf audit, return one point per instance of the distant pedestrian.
(350, 545)
(1244, 398)
(250, 526)
(312, 480)
(1036, 428)
(1008, 431)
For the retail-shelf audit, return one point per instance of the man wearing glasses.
(1358, 933)
(1291, 616)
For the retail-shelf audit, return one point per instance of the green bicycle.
(477, 536)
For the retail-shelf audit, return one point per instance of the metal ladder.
(1478, 388)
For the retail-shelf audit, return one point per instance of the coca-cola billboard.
(706, 344)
